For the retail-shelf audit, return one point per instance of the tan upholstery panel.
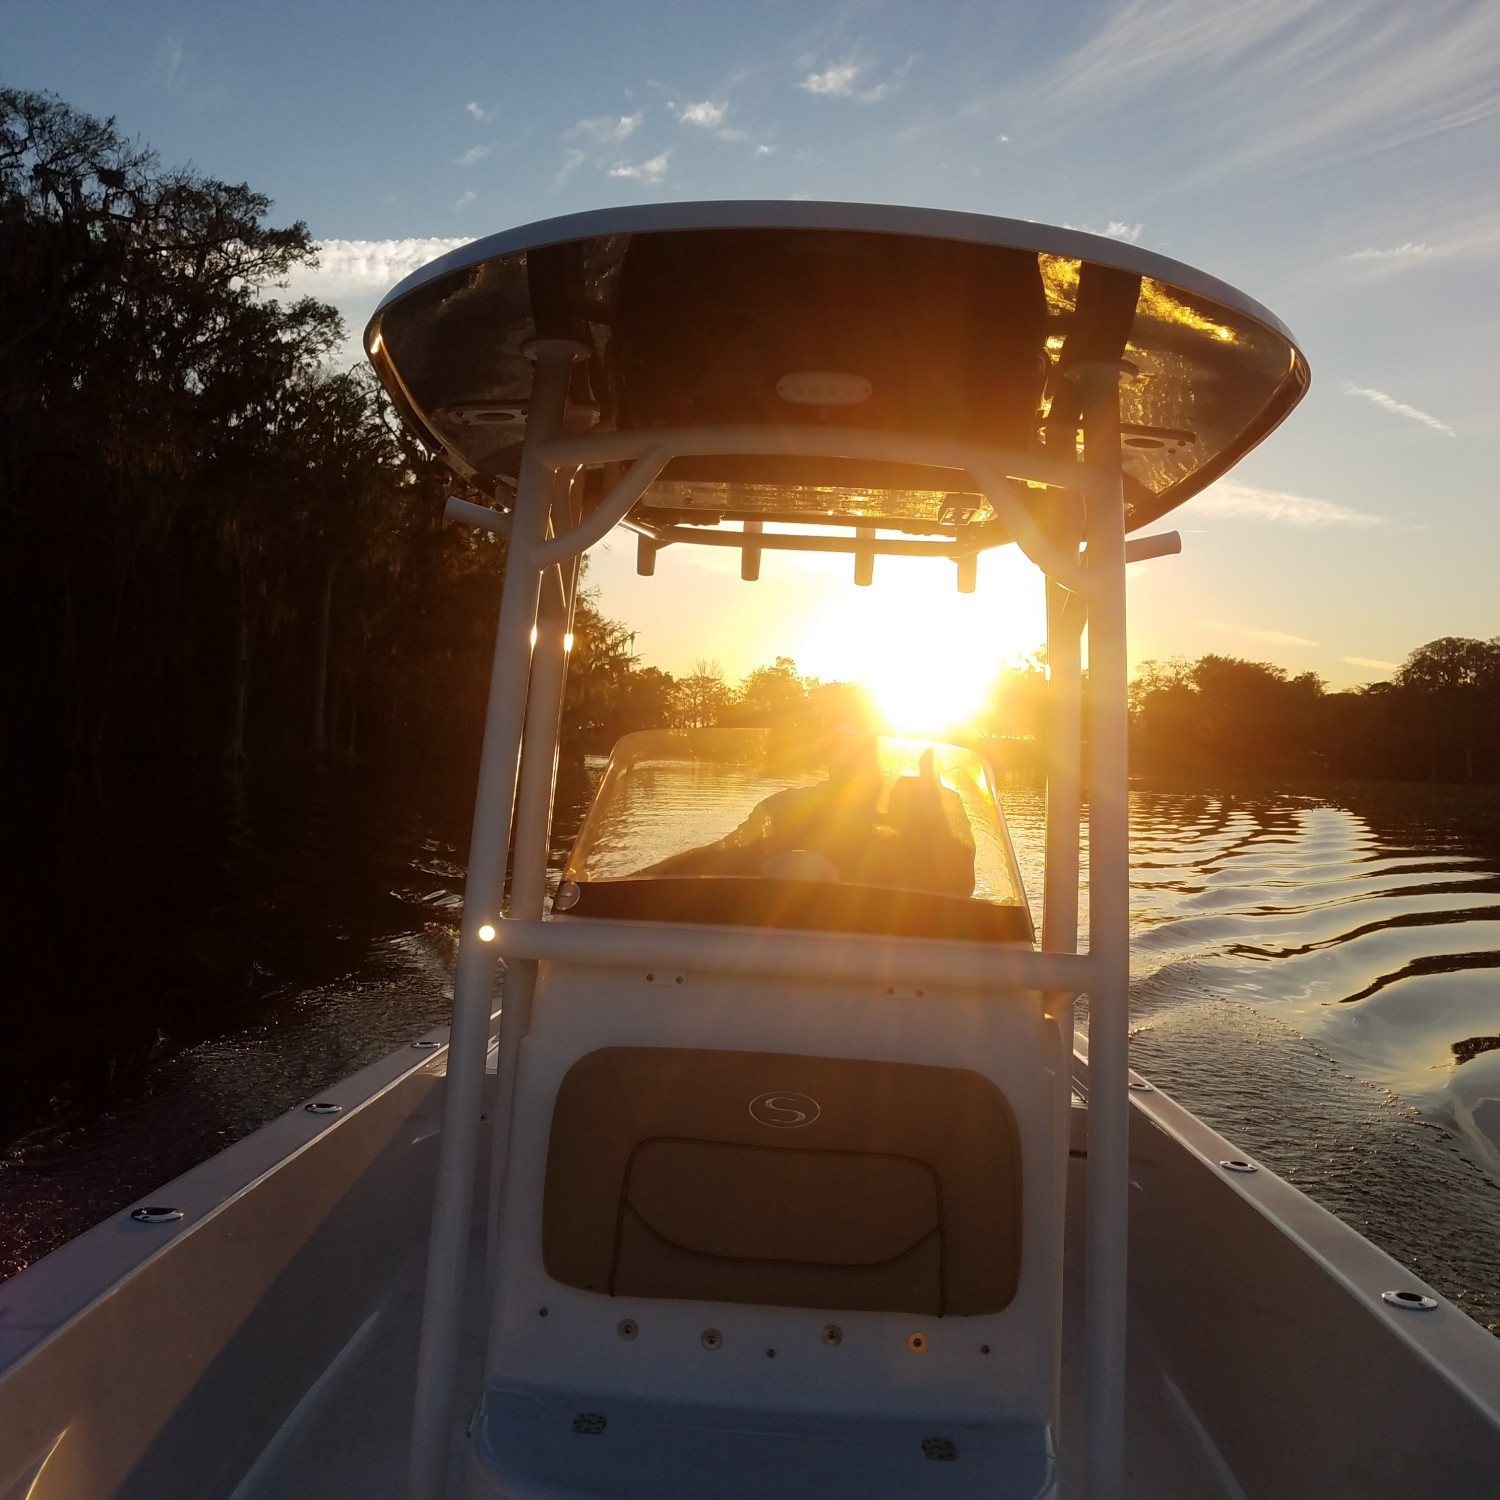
(832, 1208)
(650, 1267)
(783, 1179)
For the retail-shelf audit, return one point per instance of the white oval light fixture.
(486, 934)
(824, 388)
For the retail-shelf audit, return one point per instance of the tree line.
(1436, 719)
(610, 693)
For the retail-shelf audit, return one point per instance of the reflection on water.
(1317, 973)
(187, 956)
(665, 806)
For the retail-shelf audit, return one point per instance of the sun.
(926, 654)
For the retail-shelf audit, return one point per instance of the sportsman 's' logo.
(784, 1110)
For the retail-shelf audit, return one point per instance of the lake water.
(1317, 974)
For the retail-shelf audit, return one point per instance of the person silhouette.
(937, 843)
(855, 826)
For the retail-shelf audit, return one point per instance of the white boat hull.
(264, 1344)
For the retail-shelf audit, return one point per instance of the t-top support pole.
(1066, 612)
(474, 976)
(528, 881)
(1109, 943)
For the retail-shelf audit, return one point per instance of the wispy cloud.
(182, 74)
(1371, 663)
(1366, 77)
(359, 267)
(606, 129)
(1257, 633)
(1409, 251)
(1116, 229)
(1473, 237)
(837, 80)
(473, 154)
(571, 162)
(474, 112)
(596, 143)
(645, 171)
(167, 65)
(464, 199)
(706, 114)
(1399, 408)
(713, 117)
(1227, 500)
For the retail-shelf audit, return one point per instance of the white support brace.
(990, 968)
(474, 973)
(992, 469)
(1106, 1264)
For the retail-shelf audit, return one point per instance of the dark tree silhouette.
(1438, 718)
(1225, 713)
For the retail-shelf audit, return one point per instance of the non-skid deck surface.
(1164, 1460)
(354, 1446)
(570, 1445)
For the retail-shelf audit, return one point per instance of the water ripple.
(1315, 975)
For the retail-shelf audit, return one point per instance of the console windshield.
(845, 808)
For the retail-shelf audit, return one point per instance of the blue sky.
(1336, 160)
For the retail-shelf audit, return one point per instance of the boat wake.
(1318, 977)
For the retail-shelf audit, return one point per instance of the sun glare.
(926, 654)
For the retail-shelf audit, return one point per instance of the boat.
(780, 1167)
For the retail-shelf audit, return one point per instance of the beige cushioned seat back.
(782, 1179)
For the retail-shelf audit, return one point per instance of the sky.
(1334, 159)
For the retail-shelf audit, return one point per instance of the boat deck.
(1263, 1360)
(351, 1439)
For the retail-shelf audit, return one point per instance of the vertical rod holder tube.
(1109, 944)
(528, 889)
(1063, 735)
(750, 551)
(1066, 614)
(473, 983)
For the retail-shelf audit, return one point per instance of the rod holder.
(750, 552)
(480, 517)
(1143, 548)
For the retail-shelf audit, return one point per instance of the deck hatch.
(902, 1195)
